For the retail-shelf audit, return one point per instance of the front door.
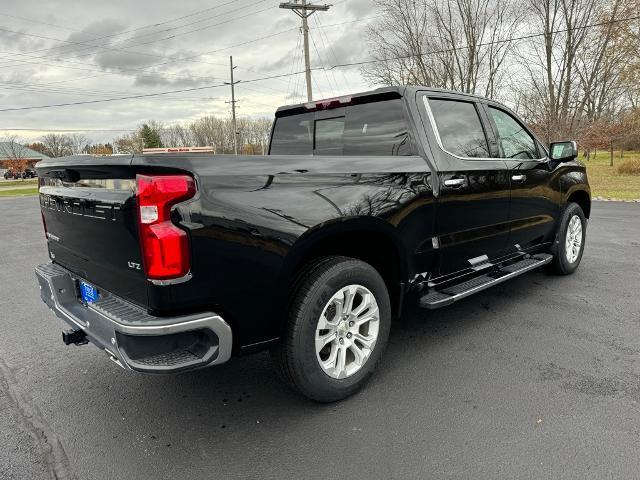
(534, 192)
(472, 210)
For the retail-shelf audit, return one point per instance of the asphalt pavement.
(537, 378)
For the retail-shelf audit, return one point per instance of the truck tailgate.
(90, 215)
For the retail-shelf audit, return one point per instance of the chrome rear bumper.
(130, 336)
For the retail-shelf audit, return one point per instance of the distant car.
(12, 175)
(29, 173)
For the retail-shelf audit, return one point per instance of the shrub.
(630, 167)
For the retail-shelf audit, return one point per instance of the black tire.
(561, 264)
(295, 355)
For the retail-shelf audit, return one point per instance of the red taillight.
(165, 247)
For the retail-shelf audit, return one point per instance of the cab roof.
(383, 93)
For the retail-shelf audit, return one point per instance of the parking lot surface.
(536, 378)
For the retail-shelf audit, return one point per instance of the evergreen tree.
(150, 137)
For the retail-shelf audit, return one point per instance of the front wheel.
(338, 326)
(570, 239)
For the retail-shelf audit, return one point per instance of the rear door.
(472, 210)
(534, 202)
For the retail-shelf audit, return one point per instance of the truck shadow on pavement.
(245, 395)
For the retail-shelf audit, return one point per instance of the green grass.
(17, 183)
(607, 182)
(18, 192)
(19, 188)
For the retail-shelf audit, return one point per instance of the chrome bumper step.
(452, 293)
(133, 338)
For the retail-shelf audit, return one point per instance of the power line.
(485, 44)
(48, 49)
(169, 61)
(173, 36)
(104, 100)
(94, 94)
(326, 74)
(119, 72)
(297, 77)
(40, 22)
(364, 62)
(143, 70)
(293, 64)
(124, 49)
(329, 46)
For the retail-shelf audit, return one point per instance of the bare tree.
(56, 145)
(212, 131)
(576, 70)
(460, 45)
(129, 143)
(79, 143)
(176, 136)
(605, 60)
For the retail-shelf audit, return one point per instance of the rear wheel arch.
(372, 241)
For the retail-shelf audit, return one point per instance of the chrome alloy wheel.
(573, 241)
(347, 331)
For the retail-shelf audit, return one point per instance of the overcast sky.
(120, 48)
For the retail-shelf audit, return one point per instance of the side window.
(329, 134)
(514, 140)
(459, 127)
(293, 135)
(377, 128)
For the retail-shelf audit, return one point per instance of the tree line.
(209, 131)
(571, 68)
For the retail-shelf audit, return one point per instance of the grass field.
(605, 180)
(17, 183)
(18, 192)
(18, 188)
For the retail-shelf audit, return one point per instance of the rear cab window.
(377, 128)
(293, 135)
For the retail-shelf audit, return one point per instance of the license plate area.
(88, 293)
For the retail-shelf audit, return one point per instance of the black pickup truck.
(403, 194)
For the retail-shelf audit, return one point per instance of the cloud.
(342, 49)
(134, 73)
(98, 29)
(155, 79)
(360, 8)
(121, 61)
(19, 42)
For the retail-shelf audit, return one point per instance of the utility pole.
(304, 10)
(233, 107)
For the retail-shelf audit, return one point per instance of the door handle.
(454, 182)
(518, 178)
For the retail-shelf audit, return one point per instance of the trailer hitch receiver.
(75, 337)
